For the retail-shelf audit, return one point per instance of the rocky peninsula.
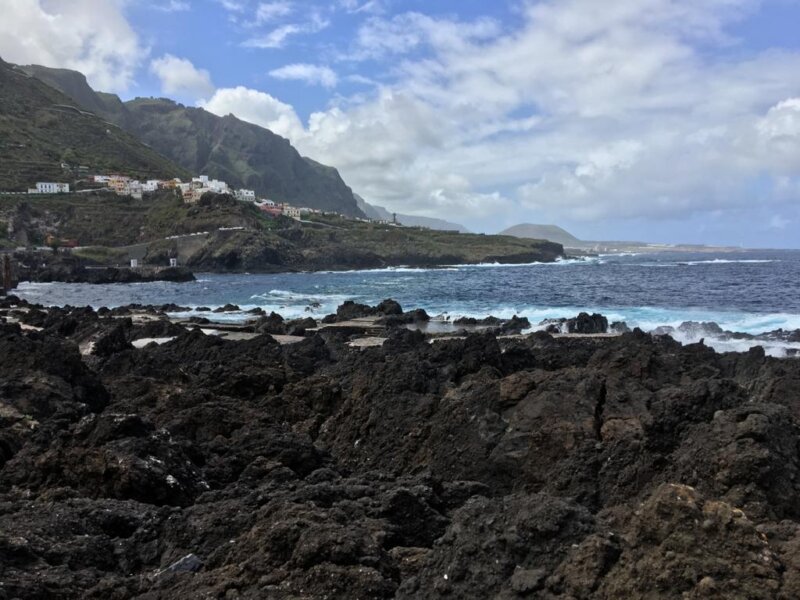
(223, 235)
(144, 458)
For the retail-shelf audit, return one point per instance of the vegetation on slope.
(242, 154)
(41, 128)
(223, 234)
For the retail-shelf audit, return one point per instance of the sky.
(670, 121)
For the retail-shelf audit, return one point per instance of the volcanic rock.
(475, 467)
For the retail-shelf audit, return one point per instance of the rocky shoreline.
(144, 458)
(47, 268)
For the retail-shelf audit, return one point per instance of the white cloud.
(278, 37)
(586, 111)
(91, 36)
(360, 6)
(310, 74)
(180, 76)
(234, 6)
(782, 120)
(172, 6)
(266, 12)
(255, 107)
(583, 111)
(275, 38)
(403, 33)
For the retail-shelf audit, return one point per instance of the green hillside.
(227, 148)
(236, 236)
(41, 128)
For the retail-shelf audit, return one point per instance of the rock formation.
(480, 467)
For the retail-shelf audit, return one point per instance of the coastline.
(319, 466)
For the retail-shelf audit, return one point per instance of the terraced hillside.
(41, 128)
(240, 153)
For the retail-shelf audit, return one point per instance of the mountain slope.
(553, 233)
(40, 128)
(240, 153)
(380, 213)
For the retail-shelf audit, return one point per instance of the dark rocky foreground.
(482, 467)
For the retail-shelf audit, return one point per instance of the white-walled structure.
(292, 211)
(49, 187)
(245, 195)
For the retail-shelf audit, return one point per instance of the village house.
(245, 195)
(134, 189)
(295, 212)
(118, 183)
(211, 185)
(49, 187)
(170, 184)
(269, 207)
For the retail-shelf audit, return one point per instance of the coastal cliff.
(221, 234)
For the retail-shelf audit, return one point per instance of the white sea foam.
(562, 262)
(402, 269)
(725, 261)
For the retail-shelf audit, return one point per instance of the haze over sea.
(750, 291)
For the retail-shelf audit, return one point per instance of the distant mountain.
(553, 233)
(556, 234)
(240, 153)
(380, 213)
(41, 128)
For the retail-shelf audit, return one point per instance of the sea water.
(748, 291)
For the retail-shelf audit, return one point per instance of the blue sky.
(658, 120)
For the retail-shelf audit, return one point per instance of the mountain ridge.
(44, 136)
(553, 233)
(243, 154)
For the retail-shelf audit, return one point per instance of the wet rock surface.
(477, 467)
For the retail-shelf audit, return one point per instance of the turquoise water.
(753, 292)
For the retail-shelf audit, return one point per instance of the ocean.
(749, 291)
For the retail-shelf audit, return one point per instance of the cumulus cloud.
(582, 111)
(256, 107)
(180, 76)
(310, 74)
(91, 36)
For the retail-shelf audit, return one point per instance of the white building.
(212, 185)
(245, 195)
(151, 185)
(292, 211)
(133, 189)
(48, 187)
(220, 187)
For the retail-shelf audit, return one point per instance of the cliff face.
(41, 128)
(227, 148)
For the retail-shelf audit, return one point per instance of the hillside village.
(191, 191)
